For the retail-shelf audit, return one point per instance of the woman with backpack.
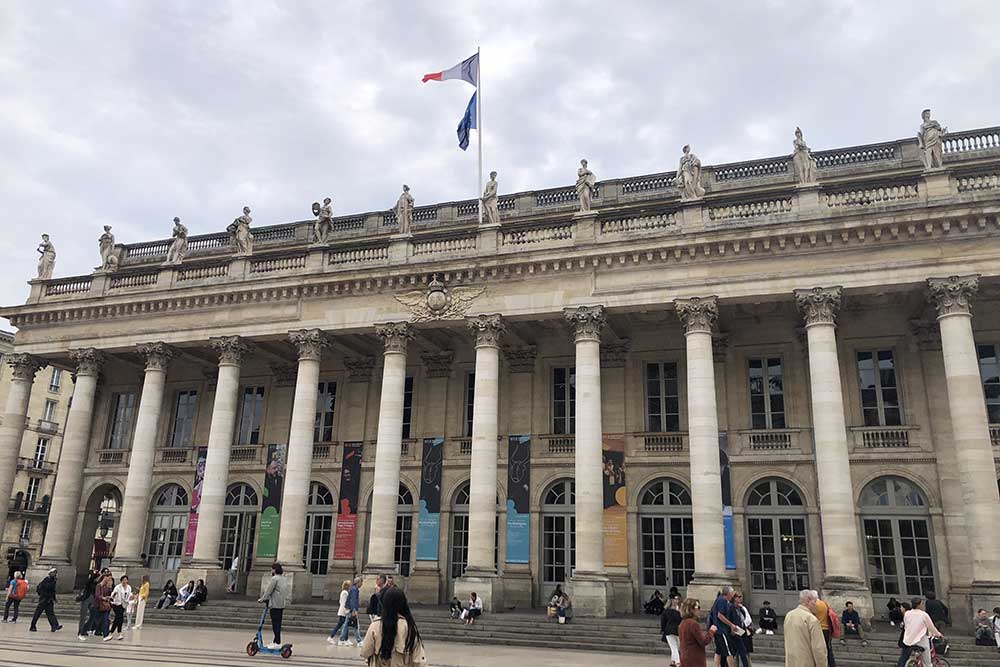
(17, 588)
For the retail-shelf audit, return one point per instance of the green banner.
(270, 511)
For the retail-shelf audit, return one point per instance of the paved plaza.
(176, 647)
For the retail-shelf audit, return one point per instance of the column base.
(65, 579)
(485, 584)
(300, 581)
(424, 585)
(591, 594)
(518, 587)
(337, 573)
(621, 593)
(836, 591)
(216, 579)
(705, 587)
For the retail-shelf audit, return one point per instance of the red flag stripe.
(433, 76)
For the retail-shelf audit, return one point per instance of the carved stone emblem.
(438, 302)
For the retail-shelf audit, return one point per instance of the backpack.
(835, 630)
(20, 589)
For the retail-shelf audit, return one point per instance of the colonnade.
(845, 574)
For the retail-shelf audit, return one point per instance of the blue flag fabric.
(467, 123)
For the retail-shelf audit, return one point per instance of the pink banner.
(199, 479)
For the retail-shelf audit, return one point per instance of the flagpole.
(479, 132)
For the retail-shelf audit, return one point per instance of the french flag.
(467, 70)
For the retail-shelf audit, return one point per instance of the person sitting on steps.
(767, 619)
(851, 622)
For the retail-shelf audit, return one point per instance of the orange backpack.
(835, 629)
(20, 589)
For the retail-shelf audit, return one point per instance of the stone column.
(298, 465)
(698, 316)
(952, 298)
(23, 369)
(64, 509)
(385, 495)
(212, 504)
(135, 505)
(591, 590)
(845, 576)
(481, 572)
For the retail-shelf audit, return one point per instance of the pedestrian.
(140, 602)
(120, 597)
(86, 600)
(743, 643)
(721, 616)
(851, 622)
(804, 643)
(276, 597)
(692, 640)
(767, 619)
(169, 595)
(670, 623)
(101, 606)
(937, 610)
(917, 629)
(233, 575)
(375, 601)
(393, 639)
(822, 612)
(17, 588)
(342, 612)
(46, 602)
(353, 605)
(895, 612)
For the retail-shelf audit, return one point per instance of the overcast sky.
(129, 113)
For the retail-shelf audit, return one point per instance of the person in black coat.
(767, 619)
(670, 623)
(46, 602)
(937, 610)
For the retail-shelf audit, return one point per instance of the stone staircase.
(631, 634)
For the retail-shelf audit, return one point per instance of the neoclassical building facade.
(780, 374)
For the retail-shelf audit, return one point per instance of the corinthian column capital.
(698, 314)
(588, 320)
(24, 366)
(819, 305)
(231, 349)
(952, 295)
(88, 360)
(157, 355)
(310, 343)
(488, 329)
(395, 336)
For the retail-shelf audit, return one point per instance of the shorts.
(722, 645)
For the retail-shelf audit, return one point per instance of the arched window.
(167, 526)
(319, 495)
(558, 532)
(898, 539)
(666, 536)
(777, 542)
(460, 532)
(239, 526)
(241, 495)
(404, 531)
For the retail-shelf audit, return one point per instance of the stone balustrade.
(126, 280)
(881, 437)
(272, 265)
(983, 181)
(882, 194)
(753, 209)
(765, 440)
(444, 246)
(972, 140)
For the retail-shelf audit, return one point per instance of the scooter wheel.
(286, 652)
(252, 649)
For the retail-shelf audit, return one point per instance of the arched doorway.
(167, 524)
(898, 539)
(777, 543)
(97, 531)
(319, 528)
(666, 537)
(558, 535)
(239, 527)
(459, 552)
(403, 552)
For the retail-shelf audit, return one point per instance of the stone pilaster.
(845, 578)
(135, 508)
(23, 369)
(952, 298)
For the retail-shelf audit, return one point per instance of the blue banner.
(728, 536)
(429, 519)
(518, 498)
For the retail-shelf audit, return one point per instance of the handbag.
(103, 605)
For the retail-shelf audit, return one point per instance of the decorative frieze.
(487, 329)
(952, 295)
(157, 355)
(819, 305)
(231, 349)
(395, 336)
(588, 321)
(437, 364)
(359, 369)
(24, 366)
(521, 359)
(698, 313)
(309, 342)
(88, 360)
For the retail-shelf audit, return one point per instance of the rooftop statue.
(47, 259)
(491, 212)
(404, 210)
(324, 220)
(109, 256)
(179, 246)
(803, 163)
(689, 175)
(586, 183)
(930, 139)
(240, 236)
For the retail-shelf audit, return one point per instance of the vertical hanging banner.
(429, 518)
(270, 510)
(199, 480)
(518, 498)
(615, 503)
(728, 535)
(347, 507)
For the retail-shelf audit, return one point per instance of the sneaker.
(108, 638)
(57, 628)
(769, 632)
(331, 640)
(892, 623)
(82, 638)
(342, 643)
(758, 631)
(843, 642)
(864, 642)
(120, 636)
(32, 629)
(274, 645)
(3, 620)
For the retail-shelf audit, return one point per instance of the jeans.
(11, 602)
(92, 621)
(341, 620)
(347, 629)
(165, 601)
(102, 627)
(276, 615)
(116, 625)
(738, 649)
(50, 614)
(830, 661)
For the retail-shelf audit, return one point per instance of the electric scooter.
(257, 644)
